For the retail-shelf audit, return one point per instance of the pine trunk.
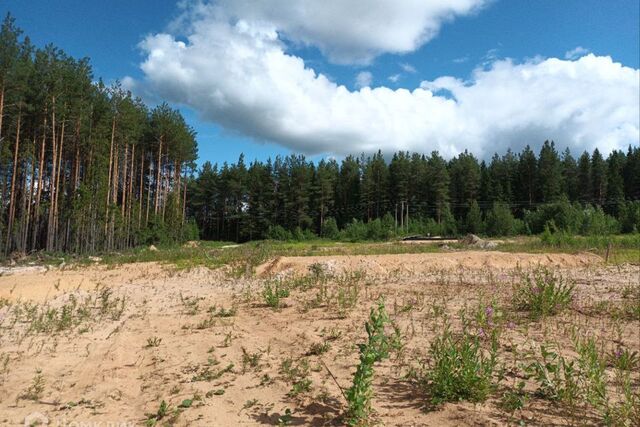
(158, 183)
(36, 217)
(12, 195)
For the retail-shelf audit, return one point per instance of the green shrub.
(459, 368)
(330, 228)
(500, 221)
(556, 377)
(542, 293)
(278, 232)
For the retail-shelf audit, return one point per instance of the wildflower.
(489, 311)
(511, 325)
(481, 333)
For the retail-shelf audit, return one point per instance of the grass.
(245, 257)
(624, 247)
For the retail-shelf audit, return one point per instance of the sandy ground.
(168, 342)
(382, 265)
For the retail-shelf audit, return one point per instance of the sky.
(336, 77)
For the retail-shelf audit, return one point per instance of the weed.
(190, 305)
(286, 418)
(153, 342)
(514, 399)
(374, 350)
(36, 388)
(251, 360)
(222, 312)
(555, 376)
(542, 293)
(273, 294)
(317, 349)
(206, 374)
(592, 371)
(162, 412)
(301, 386)
(459, 368)
(624, 359)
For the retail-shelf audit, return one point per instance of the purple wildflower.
(481, 333)
(489, 311)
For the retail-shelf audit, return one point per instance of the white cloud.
(347, 31)
(408, 68)
(394, 78)
(576, 53)
(460, 60)
(238, 73)
(364, 79)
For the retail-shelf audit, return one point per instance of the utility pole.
(396, 217)
(407, 217)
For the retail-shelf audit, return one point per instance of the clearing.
(277, 344)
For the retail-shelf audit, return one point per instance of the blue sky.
(109, 32)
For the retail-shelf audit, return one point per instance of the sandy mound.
(424, 263)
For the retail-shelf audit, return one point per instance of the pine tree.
(549, 173)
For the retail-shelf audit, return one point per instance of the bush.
(278, 232)
(630, 217)
(459, 368)
(330, 229)
(596, 222)
(500, 221)
(473, 222)
(542, 293)
(564, 215)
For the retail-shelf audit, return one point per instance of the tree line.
(84, 167)
(370, 197)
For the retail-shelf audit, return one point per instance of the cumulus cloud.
(349, 31)
(238, 73)
(364, 79)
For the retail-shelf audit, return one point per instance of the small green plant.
(296, 373)
(317, 349)
(374, 350)
(556, 377)
(162, 412)
(35, 390)
(514, 399)
(592, 371)
(251, 360)
(624, 359)
(301, 386)
(542, 293)
(153, 342)
(459, 368)
(273, 294)
(222, 312)
(206, 374)
(285, 419)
